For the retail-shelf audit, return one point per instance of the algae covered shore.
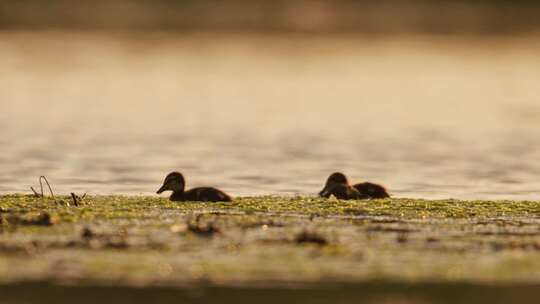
(267, 249)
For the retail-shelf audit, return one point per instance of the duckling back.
(371, 190)
(206, 194)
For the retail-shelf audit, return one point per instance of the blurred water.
(430, 117)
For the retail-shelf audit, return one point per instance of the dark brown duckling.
(338, 185)
(175, 182)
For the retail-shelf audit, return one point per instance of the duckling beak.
(325, 192)
(162, 189)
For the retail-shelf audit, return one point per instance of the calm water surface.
(430, 117)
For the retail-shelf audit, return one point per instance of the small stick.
(41, 186)
(35, 192)
(75, 200)
(48, 185)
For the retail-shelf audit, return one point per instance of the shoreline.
(267, 249)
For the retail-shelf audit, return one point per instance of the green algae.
(110, 207)
(150, 241)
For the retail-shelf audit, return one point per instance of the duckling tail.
(226, 198)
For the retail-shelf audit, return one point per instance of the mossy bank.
(265, 243)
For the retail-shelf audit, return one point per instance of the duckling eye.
(175, 181)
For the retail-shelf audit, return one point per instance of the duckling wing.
(372, 190)
(207, 194)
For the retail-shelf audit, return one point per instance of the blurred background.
(432, 98)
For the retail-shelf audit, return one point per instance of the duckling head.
(173, 182)
(336, 178)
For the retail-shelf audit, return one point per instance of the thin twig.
(48, 185)
(41, 186)
(75, 199)
(35, 192)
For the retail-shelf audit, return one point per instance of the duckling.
(338, 185)
(175, 182)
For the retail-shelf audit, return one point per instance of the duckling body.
(175, 182)
(203, 194)
(371, 190)
(338, 185)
